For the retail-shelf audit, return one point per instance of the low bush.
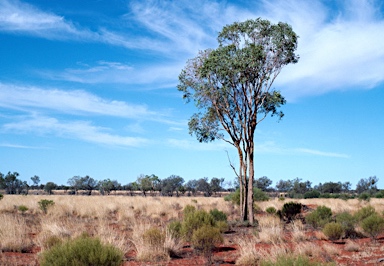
(205, 239)
(271, 210)
(44, 204)
(218, 215)
(313, 194)
(82, 251)
(290, 210)
(365, 196)
(194, 221)
(364, 213)
(347, 222)
(22, 208)
(188, 210)
(1, 196)
(154, 238)
(174, 228)
(258, 195)
(373, 225)
(333, 231)
(319, 217)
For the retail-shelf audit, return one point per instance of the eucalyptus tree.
(232, 88)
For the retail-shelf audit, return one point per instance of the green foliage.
(319, 217)
(373, 225)
(311, 194)
(347, 222)
(218, 215)
(194, 221)
(292, 260)
(22, 208)
(44, 204)
(153, 237)
(204, 240)
(271, 210)
(222, 226)
(1, 196)
(364, 213)
(379, 195)
(189, 209)
(260, 195)
(174, 228)
(333, 231)
(290, 210)
(82, 251)
(365, 196)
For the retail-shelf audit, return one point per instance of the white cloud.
(338, 51)
(321, 153)
(77, 101)
(80, 130)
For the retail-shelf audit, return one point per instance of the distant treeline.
(175, 185)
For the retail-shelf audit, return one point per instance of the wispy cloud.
(80, 130)
(321, 153)
(152, 76)
(18, 146)
(76, 101)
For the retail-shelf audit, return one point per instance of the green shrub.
(174, 227)
(194, 221)
(1, 196)
(271, 210)
(373, 225)
(22, 208)
(365, 196)
(319, 217)
(153, 237)
(82, 251)
(364, 213)
(222, 226)
(347, 222)
(379, 195)
(188, 210)
(218, 215)
(260, 195)
(333, 231)
(290, 210)
(204, 240)
(311, 194)
(44, 204)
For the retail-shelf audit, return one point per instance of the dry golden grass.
(297, 231)
(14, 233)
(271, 229)
(248, 253)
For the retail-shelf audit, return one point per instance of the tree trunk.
(250, 189)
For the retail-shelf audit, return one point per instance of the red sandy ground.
(368, 254)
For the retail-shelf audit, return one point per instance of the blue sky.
(89, 88)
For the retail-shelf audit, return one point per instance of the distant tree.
(145, 183)
(12, 184)
(216, 184)
(300, 187)
(191, 186)
(131, 187)
(49, 187)
(346, 186)
(204, 186)
(368, 185)
(171, 184)
(75, 183)
(105, 186)
(330, 187)
(263, 183)
(284, 186)
(36, 180)
(88, 183)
